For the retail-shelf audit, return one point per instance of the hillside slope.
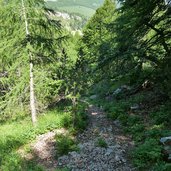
(83, 7)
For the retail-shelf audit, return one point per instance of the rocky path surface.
(91, 156)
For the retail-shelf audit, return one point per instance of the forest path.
(91, 156)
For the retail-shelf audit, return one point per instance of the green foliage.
(162, 116)
(15, 162)
(146, 133)
(162, 166)
(81, 118)
(22, 132)
(101, 143)
(146, 154)
(65, 144)
(12, 163)
(137, 132)
(53, 52)
(115, 112)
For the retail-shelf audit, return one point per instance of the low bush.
(162, 166)
(162, 116)
(101, 143)
(65, 144)
(81, 118)
(147, 154)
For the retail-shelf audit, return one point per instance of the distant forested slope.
(83, 7)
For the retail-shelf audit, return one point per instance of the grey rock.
(60, 164)
(117, 158)
(167, 149)
(166, 140)
(125, 87)
(80, 146)
(135, 107)
(121, 89)
(168, 3)
(109, 151)
(74, 154)
(117, 123)
(93, 97)
(117, 146)
(117, 91)
(169, 158)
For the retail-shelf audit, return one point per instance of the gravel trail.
(92, 157)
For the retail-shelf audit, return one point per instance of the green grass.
(101, 143)
(16, 134)
(13, 135)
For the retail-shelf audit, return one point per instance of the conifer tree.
(96, 46)
(29, 35)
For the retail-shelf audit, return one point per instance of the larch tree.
(29, 37)
(32, 96)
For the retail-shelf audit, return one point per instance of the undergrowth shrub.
(101, 143)
(15, 162)
(157, 131)
(162, 166)
(12, 163)
(115, 112)
(147, 154)
(80, 118)
(137, 131)
(65, 144)
(162, 116)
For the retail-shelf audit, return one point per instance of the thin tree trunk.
(32, 96)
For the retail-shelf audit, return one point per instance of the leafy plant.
(147, 154)
(65, 144)
(101, 143)
(162, 166)
(162, 116)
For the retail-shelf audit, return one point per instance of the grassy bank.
(16, 134)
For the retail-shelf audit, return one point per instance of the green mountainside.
(86, 8)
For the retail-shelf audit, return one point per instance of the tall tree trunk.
(32, 96)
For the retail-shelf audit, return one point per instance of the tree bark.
(32, 96)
